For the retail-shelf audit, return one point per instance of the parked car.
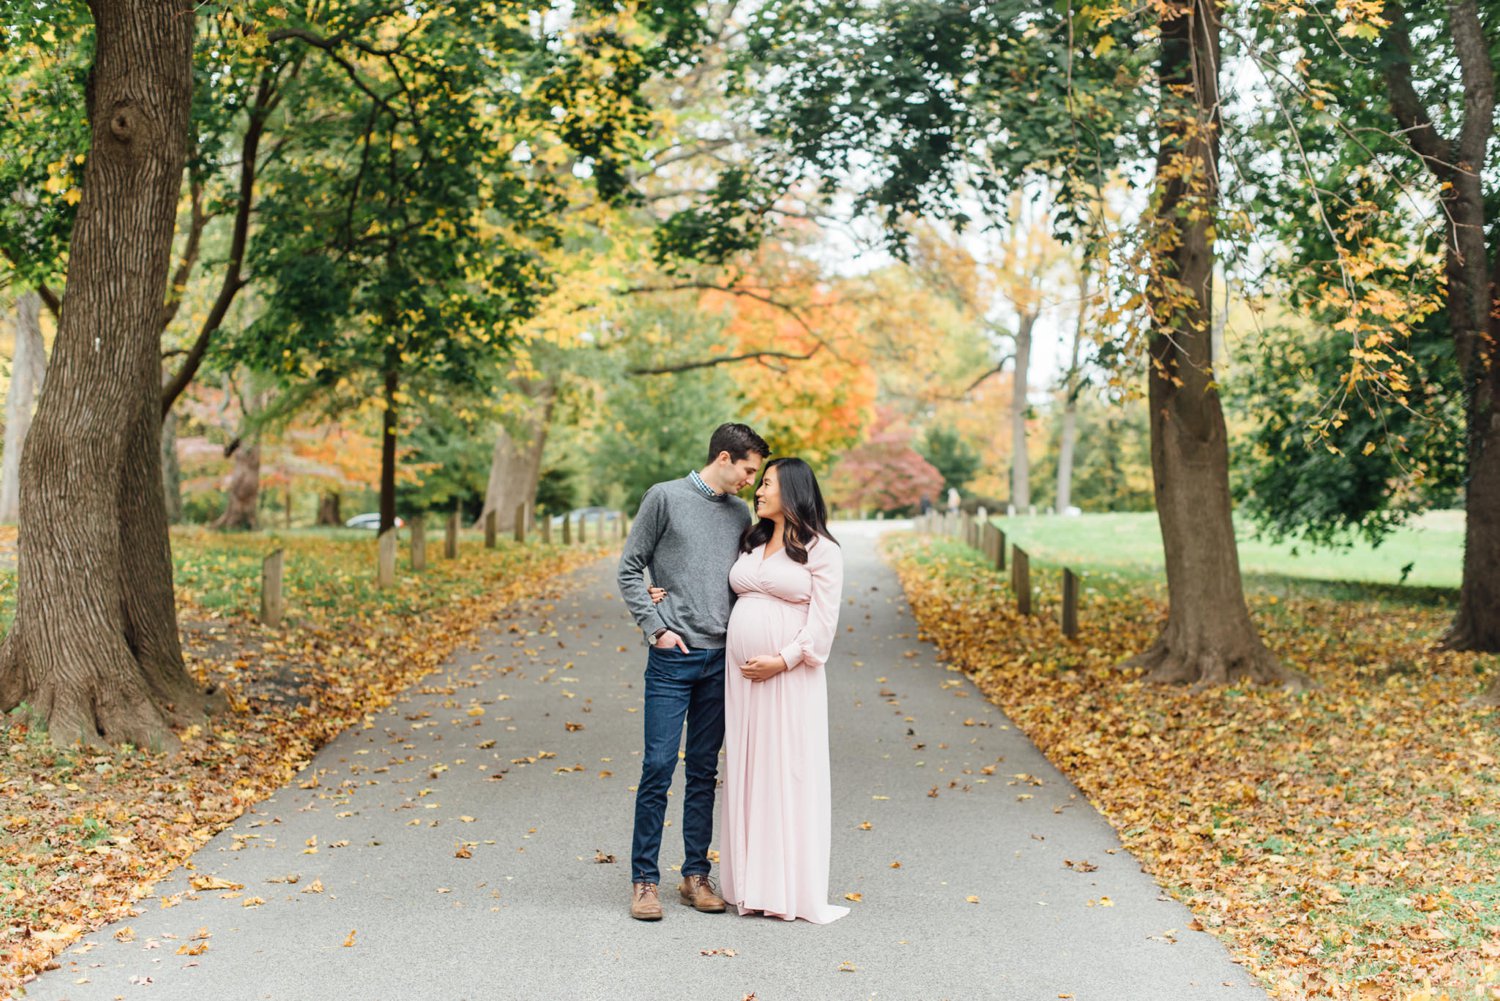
(370, 521)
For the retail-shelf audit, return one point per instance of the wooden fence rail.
(990, 540)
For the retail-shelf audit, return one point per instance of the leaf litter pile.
(84, 835)
(1343, 842)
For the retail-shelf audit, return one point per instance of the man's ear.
(724, 458)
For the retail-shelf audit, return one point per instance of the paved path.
(377, 822)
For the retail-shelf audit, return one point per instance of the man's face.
(736, 475)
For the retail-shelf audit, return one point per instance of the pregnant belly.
(761, 625)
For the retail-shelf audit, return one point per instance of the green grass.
(1129, 545)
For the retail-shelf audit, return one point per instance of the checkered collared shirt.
(703, 488)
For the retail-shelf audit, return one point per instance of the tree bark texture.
(28, 370)
(1208, 638)
(1020, 462)
(242, 498)
(94, 648)
(330, 508)
(516, 466)
(1458, 163)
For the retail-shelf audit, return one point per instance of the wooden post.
(385, 574)
(567, 528)
(999, 550)
(583, 528)
(621, 526)
(546, 523)
(450, 541)
(489, 529)
(418, 544)
(624, 525)
(1070, 604)
(520, 522)
(1020, 579)
(272, 603)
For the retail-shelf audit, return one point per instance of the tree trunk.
(1020, 462)
(1459, 164)
(28, 371)
(171, 471)
(330, 505)
(94, 646)
(1070, 403)
(388, 429)
(516, 467)
(242, 499)
(1208, 638)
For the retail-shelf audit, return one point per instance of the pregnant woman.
(788, 583)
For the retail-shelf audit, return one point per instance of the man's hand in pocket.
(668, 640)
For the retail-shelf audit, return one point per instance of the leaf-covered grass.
(85, 834)
(1130, 544)
(1343, 842)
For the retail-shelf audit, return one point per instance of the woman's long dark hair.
(802, 508)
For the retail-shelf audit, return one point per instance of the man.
(687, 535)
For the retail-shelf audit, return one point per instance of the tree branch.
(1479, 84)
(232, 280)
(189, 254)
(760, 356)
(1406, 105)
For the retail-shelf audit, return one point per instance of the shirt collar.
(703, 488)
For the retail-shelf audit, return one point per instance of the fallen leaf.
(204, 883)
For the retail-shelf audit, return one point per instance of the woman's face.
(768, 496)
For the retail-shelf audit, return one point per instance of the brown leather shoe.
(645, 902)
(700, 893)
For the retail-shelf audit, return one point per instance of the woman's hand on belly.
(763, 668)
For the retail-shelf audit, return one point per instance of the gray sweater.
(689, 542)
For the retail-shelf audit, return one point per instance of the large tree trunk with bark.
(516, 467)
(94, 648)
(242, 498)
(28, 371)
(1472, 281)
(1209, 637)
(1020, 461)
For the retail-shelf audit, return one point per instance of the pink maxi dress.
(775, 835)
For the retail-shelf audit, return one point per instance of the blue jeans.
(679, 686)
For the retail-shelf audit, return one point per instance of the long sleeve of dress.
(810, 647)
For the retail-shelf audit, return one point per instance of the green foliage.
(1111, 458)
(950, 454)
(1390, 461)
(450, 460)
(658, 426)
(921, 107)
(44, 137)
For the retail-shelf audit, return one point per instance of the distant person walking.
(953, 500)
(687, 535)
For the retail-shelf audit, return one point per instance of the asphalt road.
(458, 848)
